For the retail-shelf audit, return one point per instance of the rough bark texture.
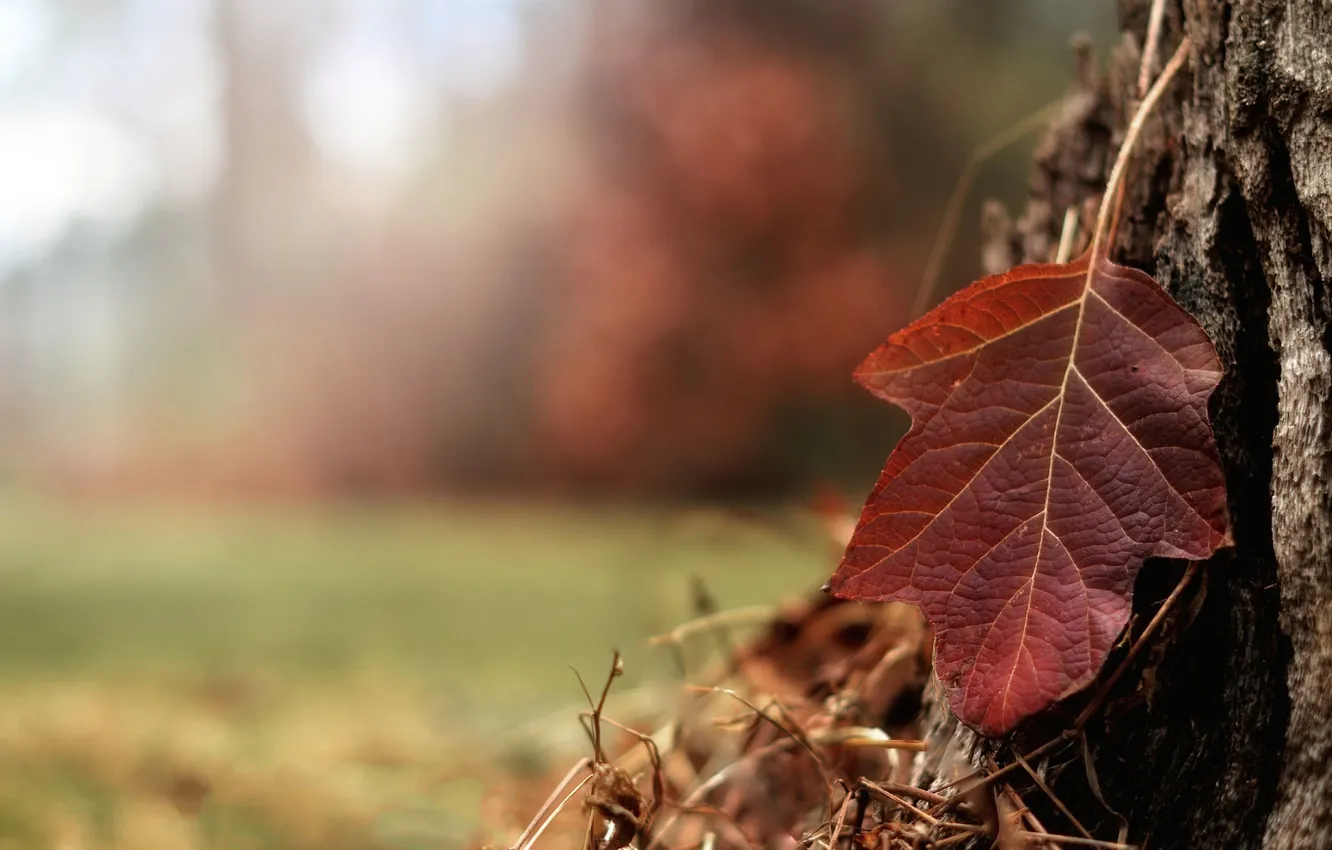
(1223, 736)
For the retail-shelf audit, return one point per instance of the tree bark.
(1223, 736)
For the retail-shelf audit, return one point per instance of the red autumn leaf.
(1059, 437)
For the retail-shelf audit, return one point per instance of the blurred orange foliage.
(720, 270)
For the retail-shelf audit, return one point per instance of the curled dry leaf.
(825, 647)
(1059, 437)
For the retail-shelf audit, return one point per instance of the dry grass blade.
(1154, 20)
(1081, 842)
(868, 737)
(836, 833)
(1007, 814)
(617, 668)
(912, 791)
(1054, 798)
(1013, 808)
(908, 805)
(795, 732)
(952, 212)
(1094, 783)
(952, 840)
(691, 803)
(550, 800)
(531, 840)
(751, 615)
(724, 818)
(685, 807)
(1066, 235)
(587, 833)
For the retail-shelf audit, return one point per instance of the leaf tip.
(863, 375)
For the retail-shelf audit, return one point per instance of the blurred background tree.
(355, 248)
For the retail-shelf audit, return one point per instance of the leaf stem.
(1126, 148)
(1149, 49)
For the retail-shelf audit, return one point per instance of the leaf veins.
(1059, 437)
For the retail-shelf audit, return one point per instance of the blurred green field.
(325, 678)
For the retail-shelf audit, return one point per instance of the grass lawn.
(182, 678)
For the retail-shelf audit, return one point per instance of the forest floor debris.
(809, 734)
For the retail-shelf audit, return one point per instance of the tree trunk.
(1223, 737)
